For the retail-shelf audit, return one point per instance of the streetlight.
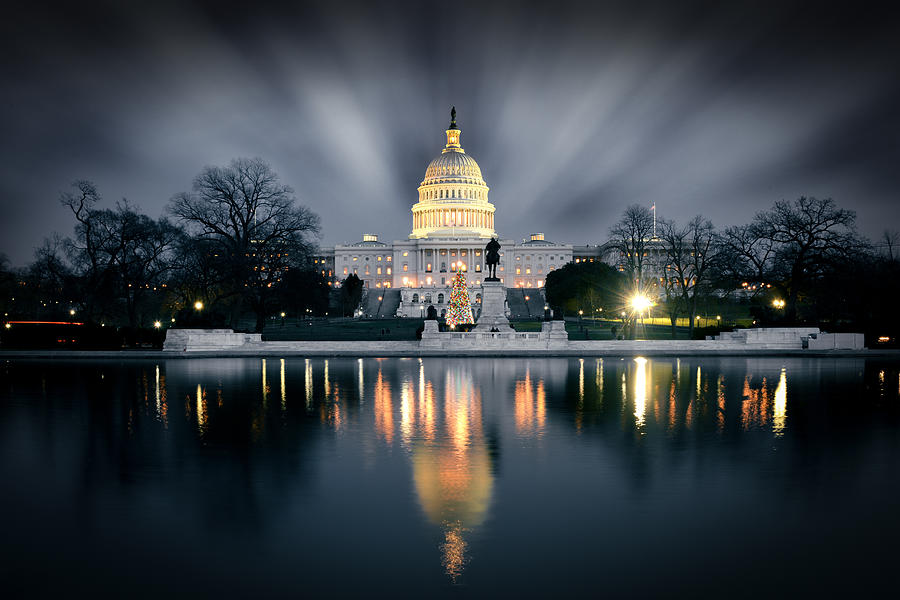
(640, 303)
(198, 305)
(157, 324)
(778, 303)
(72, 312)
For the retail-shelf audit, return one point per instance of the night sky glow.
(573, 110)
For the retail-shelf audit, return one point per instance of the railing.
(494, 336)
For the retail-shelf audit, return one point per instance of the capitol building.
(452, 221)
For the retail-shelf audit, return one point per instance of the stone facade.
(452, 222)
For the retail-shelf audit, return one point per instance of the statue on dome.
(491, 258)
(453, 117)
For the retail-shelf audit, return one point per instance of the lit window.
(518, 270)
(378, 271)
(405, 267)
(388, 271)
(406, 254)
(345, 270)
(378, 259)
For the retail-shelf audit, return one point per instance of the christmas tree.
(460, 311)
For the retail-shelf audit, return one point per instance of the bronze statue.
(453, 117)
(491, 258)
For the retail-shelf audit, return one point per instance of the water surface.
(459, 477)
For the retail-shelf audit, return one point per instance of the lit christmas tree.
(460, 311)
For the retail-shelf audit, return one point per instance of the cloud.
(573, 111)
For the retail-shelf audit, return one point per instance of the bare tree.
(691, 252)
(890, 240)
(674, 240)
(631, 236)
(252, 220)
(120, 254)
(808, 233)
(746, 258)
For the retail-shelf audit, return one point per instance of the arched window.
(441, 301)
(478, 298)
(415, 298)
(428, 298)
(443, 267)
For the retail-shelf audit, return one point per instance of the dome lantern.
(453, 133)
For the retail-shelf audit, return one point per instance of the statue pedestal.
(493, 308)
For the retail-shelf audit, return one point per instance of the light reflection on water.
(471, 443)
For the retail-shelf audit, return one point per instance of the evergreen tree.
(460, 311)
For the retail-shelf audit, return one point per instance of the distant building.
(452, 222)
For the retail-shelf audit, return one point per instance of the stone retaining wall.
(551, 339)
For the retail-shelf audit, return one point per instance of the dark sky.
(573, 110)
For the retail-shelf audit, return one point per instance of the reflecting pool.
(320, 477)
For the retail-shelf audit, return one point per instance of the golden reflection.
(453, 551)
(265, 386)
(384, 410)
(283, 390)
(308, 384)
(407, 416)
(720, 402)
(672, 406)
(640, 391)
(580, 380)
(530, 406)
(780, 417)
(755, 404)
(327, 380)
(162, 406)
(202, 414)
(598, 380)
(427, 419)
(451, 466)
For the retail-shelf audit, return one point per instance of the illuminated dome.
(453, 167)
(453, 197)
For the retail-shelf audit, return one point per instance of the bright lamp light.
(640, 303)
